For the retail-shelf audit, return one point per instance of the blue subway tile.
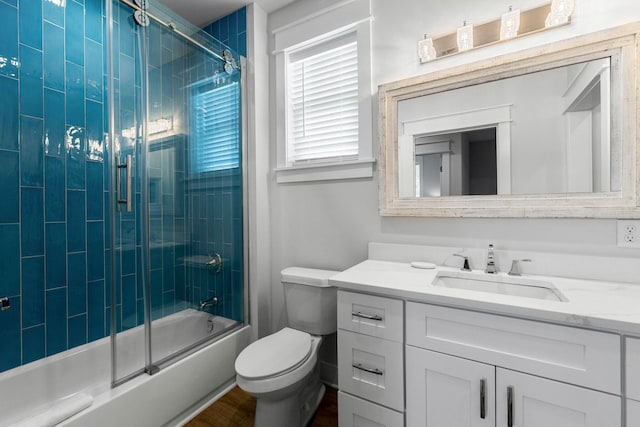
(77, 284)
(77, 329)
(30, 13)
(76, 221)
(129, 305)
(54, 190)
(94, 135)
(9, 186)
(242, 22)
(95, 193)
(9, 40)
(10, 336)
(32, 291)
(32, 221)
(53, 54)
(74, 32)
(75, 94)
(9, 114)
(95, 250)
(75, 146)
(33, 344)
(55, 252)
(93, 70)
(127, 35)
(31, 152)
(127, 84)
(93, 20)
(56, 303)
(10, 259)
(30, 81)
(96, 310)
(54, 128)
(54, 12)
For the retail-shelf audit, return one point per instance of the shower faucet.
(208, 303)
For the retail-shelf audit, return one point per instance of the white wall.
(328, 224)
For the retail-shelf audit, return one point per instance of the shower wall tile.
(75, 94)
(32, 291)
(10, 259)
(33, 344)
(93, 19)
(9, 38)
(95, 193)
(96, 310)
(9, 186)
(74, 32)
(53, 53)
(77, 284)
(54, 189)
(32, 221)
(76, 225)
(31, 23)
(31, 152)
(9, 114)
(77, 326)
(56, 318)
(30, 81)
(53, 13)
(54, 119)
(55, 254)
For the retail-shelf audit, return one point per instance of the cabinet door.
(447, 391)
(633, 413)
(527, 401)
(355, 412)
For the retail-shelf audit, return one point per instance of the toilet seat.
(274, 355)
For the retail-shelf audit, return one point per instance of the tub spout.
(208, 303)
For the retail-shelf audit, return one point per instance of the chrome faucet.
(208, 303)
(465, 263)
(491, 264)
(515, 267)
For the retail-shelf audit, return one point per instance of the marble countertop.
(607, 306)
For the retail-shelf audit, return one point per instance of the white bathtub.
(168, 398)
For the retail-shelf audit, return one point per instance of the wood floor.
(237, 409)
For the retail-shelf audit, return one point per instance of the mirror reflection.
(546, 132)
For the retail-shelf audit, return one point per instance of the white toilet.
(280, 370)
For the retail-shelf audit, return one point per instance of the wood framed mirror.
(550, 131)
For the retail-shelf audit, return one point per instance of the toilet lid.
(274, 354)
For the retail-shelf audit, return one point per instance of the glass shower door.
(178, 240)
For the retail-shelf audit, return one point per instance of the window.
(322, 95)
(217, 129)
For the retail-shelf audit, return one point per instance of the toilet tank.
(310, 302)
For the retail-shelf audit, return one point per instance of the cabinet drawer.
(370, 315)
(371, 368)
(573, 355)
(633, 368)
(355, 412)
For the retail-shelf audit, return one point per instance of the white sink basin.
(498, 284)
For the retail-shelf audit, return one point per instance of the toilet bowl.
(281, 370)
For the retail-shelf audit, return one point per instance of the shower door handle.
(127, 200)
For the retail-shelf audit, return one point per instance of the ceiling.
(203, 12)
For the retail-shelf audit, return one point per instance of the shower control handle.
(128, 200)
(215, 263)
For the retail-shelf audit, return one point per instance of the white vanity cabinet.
(473, 369)
(370, 361)
(633, 381)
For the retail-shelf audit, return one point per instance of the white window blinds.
(217, 129)
(322, 88)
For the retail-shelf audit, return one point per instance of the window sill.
(325, 171)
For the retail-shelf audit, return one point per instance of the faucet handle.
(465, 263)
(515, 267)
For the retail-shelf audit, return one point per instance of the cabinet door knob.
(510, 406)
(483, 398)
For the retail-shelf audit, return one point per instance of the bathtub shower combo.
(124, 293)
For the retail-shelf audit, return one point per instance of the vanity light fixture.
(561, 11)
(426, 51)
(465, 37)
(510, 24)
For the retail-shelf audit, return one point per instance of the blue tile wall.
(54, 223)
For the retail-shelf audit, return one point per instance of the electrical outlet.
(628, 233)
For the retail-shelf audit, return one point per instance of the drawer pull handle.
(374, 371)
(510, 406)
(483, 398)
(367, 316)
